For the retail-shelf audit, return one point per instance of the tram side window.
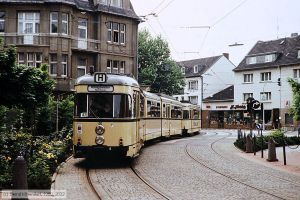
(164, 111)
(153, 109)
(142, 106)
(186, 114)
(176, 112)
(196, 114)
(81, 105)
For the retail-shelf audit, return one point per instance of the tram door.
(136, 110)
(141, 122)
(167, 124)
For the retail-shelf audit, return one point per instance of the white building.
(205, 77)
(263, 75)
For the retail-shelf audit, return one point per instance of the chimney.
(226, 55)
(294, 34)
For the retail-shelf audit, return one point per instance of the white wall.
(215, 79)
(257, 87)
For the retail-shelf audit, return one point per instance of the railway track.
(224, 158)
(223, 174)
(137, 173)
(91, 184)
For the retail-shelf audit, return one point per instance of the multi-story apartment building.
(72, 35)
(205, 77)
(263, 75)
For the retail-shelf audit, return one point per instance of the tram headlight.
(100, 130)
(99, 139)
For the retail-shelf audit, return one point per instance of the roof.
(225, 95)
(85, 5)
(203, 65)
(112, 79)
(286, 50)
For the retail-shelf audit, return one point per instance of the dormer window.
(183, 70)
(261, 59)
(114, 3)
(196, 69)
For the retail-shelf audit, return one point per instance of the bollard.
(19, 177)
(299, 132)
(272, 151)
(249, 144)
(254, 145)
(239, 134)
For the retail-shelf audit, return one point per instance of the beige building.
(71, 36)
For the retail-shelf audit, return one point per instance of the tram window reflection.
(81, 105)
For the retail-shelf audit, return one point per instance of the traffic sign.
(100, 77)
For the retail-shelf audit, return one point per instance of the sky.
(184, 24)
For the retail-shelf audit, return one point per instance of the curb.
(57, 171)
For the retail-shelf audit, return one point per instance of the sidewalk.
(292, 157)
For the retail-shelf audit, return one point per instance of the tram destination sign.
(100, 77)
(100, 88)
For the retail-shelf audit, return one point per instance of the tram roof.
(112, 79)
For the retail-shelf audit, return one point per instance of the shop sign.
(238, 107)
(221, 107)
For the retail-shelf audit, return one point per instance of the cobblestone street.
(205, 166)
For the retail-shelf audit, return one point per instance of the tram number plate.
(100, 78)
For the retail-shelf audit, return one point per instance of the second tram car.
(112, 114)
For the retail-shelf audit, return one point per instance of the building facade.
(205, 77)
(263, 75)
(71, 36)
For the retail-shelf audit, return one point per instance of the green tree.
(157, 69)
(295, 110)
(23, 87)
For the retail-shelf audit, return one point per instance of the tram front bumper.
(85, 151)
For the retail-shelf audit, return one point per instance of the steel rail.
(91, 184)
(226, 176)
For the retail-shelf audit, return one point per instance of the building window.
(251, 60)
(247, 95)
(122, 67)
(183, 70)
(261, 59)
(82, 34)
(109, 66)
(54, 22)
(64, 64)
(298, 53)
(53, 64)
(196, 69)
(296, 73)
(81, 67)
(65, 23)
(265, 96)
(38, 60)
(248, 78)
(122, 33)
(2, 22)
(115, 67)
(21, 58)
(266, 76)
(193, 99)
(116, 32)
(193, 85)
(115, 3)
(28, 23)
(30, 59)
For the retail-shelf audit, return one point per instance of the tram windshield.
(103, 106)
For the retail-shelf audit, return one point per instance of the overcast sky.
(230, 21)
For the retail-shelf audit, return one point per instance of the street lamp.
(145, 17)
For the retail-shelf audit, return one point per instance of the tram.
(113, 114)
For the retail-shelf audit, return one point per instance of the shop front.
(233, 117)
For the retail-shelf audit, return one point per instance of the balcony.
(44, 39)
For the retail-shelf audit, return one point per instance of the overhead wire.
(160, 11)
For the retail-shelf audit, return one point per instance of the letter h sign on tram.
(100, 77)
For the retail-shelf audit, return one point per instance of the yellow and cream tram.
(112, 114)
